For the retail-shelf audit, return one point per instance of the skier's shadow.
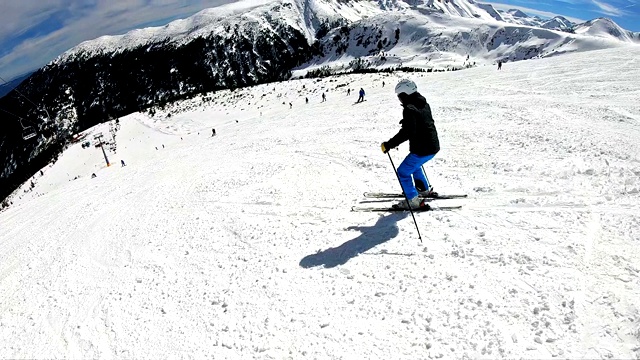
(385, 229)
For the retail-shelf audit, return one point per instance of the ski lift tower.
(99, 138)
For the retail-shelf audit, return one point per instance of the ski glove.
(384, 147)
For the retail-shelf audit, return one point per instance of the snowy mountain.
(606, 28)
(559, 23)
(316, 18)
(243, 245)
(515, 16)
(599, 28)
(248, 43)
(517, 13)
(459, 8)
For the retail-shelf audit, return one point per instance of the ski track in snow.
(243, 246)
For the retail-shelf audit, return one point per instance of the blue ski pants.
(411, 168)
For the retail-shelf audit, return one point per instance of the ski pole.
(405, 196)
(425, 176)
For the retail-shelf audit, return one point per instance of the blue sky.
(34, 32)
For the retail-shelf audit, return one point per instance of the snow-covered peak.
(604, 27)
(516, 16)
(559, 23)
(463, 8)
(517, 13)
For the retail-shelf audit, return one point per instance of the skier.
(499, 65)
(306, 100)
(348, 92)
(417, 127)
(361, 97)
(383, 84)
(122, 163)
(324, 97)
(213, 132)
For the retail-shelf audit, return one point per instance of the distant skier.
(213, 132)
(499, 65)
(290, 105)
(383, 84)
(417, 127)
(122, 164)
(324, 97)
(348, 92)
(306, 100)
(93, 175)
(361, 95)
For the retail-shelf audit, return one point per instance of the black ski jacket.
(417, 127)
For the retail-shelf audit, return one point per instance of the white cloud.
(608, 9)
(16, 18)
(83, 21)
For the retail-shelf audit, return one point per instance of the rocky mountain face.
(223, 48)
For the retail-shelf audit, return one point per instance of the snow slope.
(243, 245)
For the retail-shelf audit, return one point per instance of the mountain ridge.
(205, 21)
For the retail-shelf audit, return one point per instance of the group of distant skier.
(361, 94)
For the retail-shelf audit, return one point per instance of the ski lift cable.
(21, 94)
(29, 100)
(20, 118)
(10, 113)
(27, 131)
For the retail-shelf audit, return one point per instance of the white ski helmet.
(406, 86)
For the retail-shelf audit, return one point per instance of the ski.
(374, 200)
(378, 195)
(396, 209)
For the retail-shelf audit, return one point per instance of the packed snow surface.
(243, 245)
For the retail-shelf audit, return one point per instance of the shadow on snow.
(385, 229)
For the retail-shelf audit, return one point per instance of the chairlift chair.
(27, 132)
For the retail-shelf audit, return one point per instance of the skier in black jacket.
(417, 127)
